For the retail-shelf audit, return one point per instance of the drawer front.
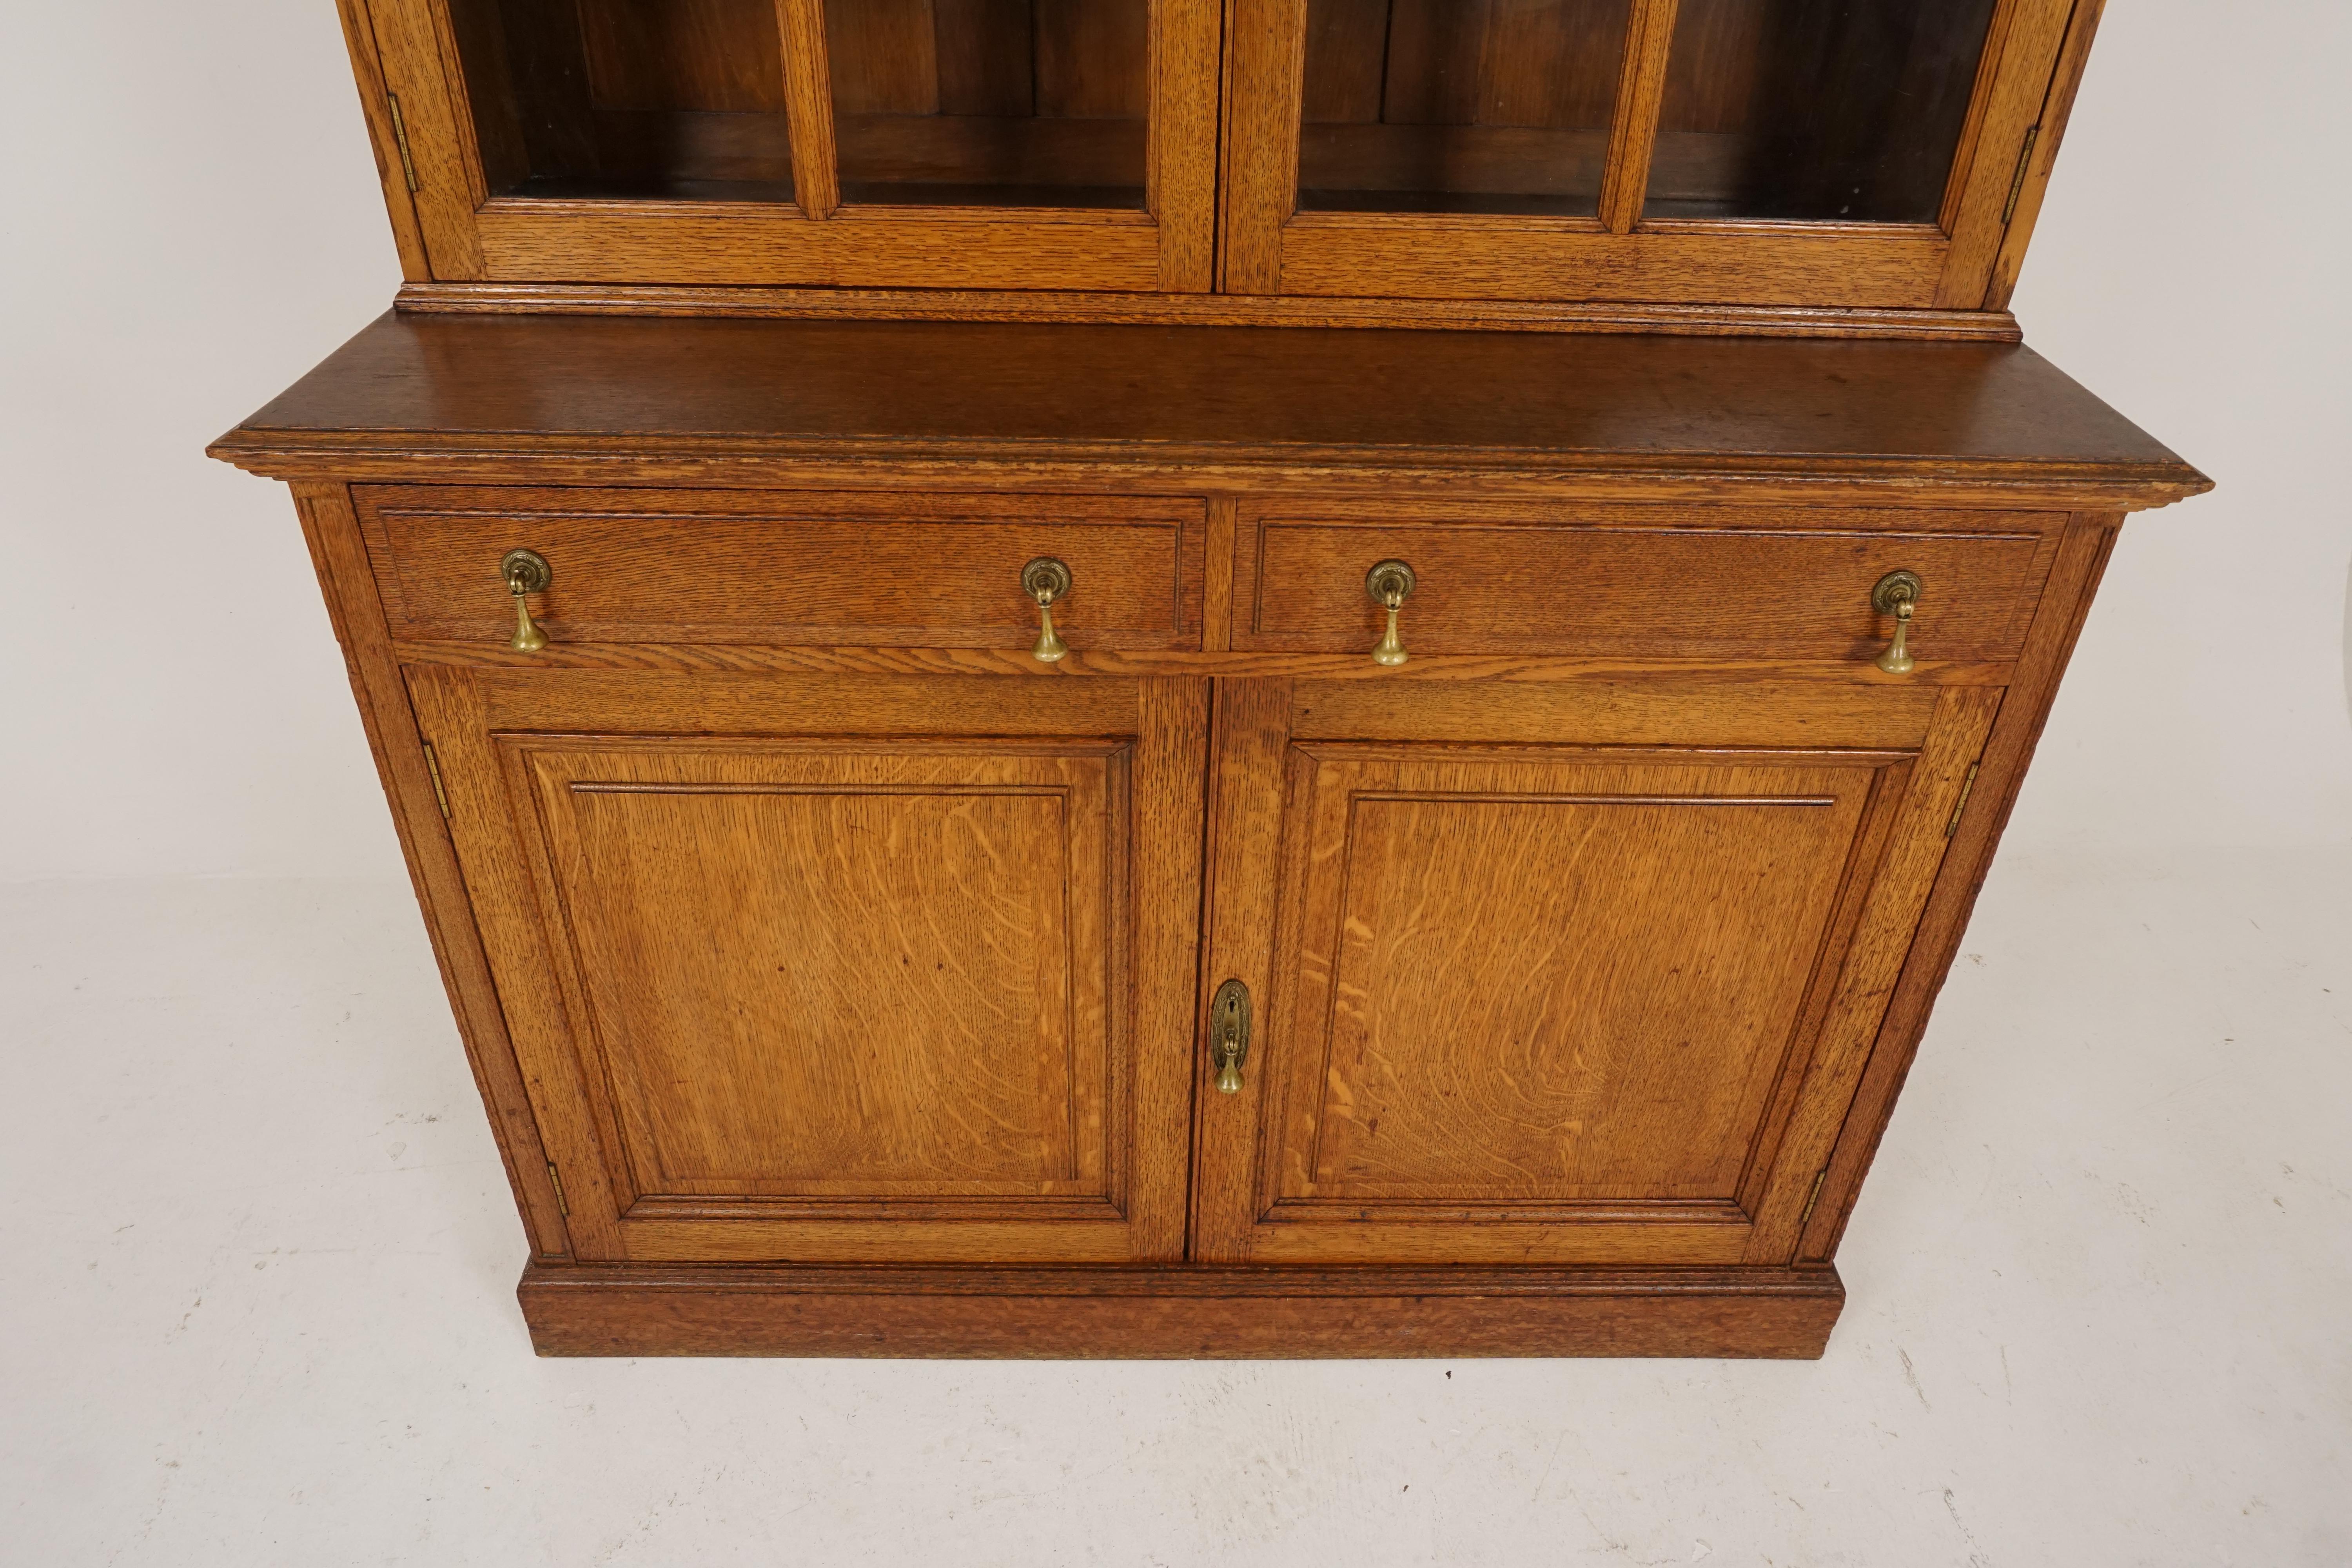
(1642, 581)
(823, 569)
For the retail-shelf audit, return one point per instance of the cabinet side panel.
(337, 552)
(2082, 557)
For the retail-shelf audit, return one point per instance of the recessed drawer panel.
(825, 569)
(1643, 582)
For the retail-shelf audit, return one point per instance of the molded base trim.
(1176, 1311)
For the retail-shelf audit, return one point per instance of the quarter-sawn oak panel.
(884, 969)
(1549, 980)
(1534, 990)
(847, 972)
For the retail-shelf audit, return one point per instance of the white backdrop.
(190, 219)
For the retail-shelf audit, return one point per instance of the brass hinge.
(1961, 805)
(2016, 185)
(562, 1207)
(400, 135)
(1814, 1198)
(433, 766)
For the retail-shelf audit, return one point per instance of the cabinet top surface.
(566, 387)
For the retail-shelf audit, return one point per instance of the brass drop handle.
(527, 572)
(1389, 583)
(1897, 595)
(1046, 581)
(1229, 1035)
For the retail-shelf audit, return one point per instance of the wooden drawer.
(786, 567)
(1641, 581)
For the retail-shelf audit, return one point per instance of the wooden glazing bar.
(808, 101)
(1641, 93)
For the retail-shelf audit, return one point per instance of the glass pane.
(1815, 109)
(678, 99)
(1467, 106)
(990, 103)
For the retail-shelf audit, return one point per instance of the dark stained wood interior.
(1816, 110)
(1497, 106)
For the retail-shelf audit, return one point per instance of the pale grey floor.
(259, 1261)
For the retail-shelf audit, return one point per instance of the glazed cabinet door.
(1557, 971)
(843, 968)
(1850, 153)
(882, 143)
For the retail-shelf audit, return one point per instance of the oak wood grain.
(2050, 133)
(2025, 707)
(1633, 140)
(1415, 1105)
(331, 532)
(2018, 86)
(1636, 581)
(383, 140)
(743, 658)
(837, 968)
(667, 565)
(1191, 1314)
(1221, 400)
(808, 97)
(1109, 307)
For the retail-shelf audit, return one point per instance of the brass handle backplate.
(1229, 1035)
(1389, 583)
(526, 572)
(1897, 595)
(1046, 581)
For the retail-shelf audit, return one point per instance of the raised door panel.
(1527, 999)
(792, 994)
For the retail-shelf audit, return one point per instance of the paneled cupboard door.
(881, 143)
(1840, 152)
(1557, 972)
(856, 968)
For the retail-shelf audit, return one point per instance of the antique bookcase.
(1162, 678)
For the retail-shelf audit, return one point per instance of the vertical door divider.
(808, 106)
(1633, 132)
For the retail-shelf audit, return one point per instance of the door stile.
(1866, 984)
(2011, 107)
(538, 1006)
(1266, 63)
(1880, 814)
(1180, 127)
(808, 106)
(1249, 733)
(437, 125)
(1168, 810)
(1641, 96)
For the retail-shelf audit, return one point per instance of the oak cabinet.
(1449, 879)
(1212, 677)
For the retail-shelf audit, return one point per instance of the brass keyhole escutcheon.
(1048, 580)
(526, 572)
(1897, 595)
(1229, 1035)
(1389, 583)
